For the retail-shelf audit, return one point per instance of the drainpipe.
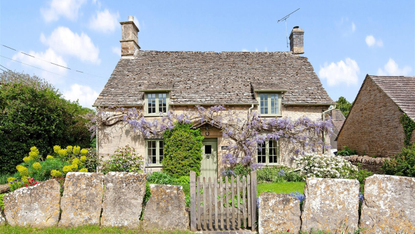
(249, 110)
(332, 107)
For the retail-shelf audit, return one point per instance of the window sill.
(270, 116)
(154, 166)
(155, 115)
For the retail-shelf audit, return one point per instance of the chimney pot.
(297, 40)
(129, 38)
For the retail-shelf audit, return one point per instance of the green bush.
(160, 178)
(346, 152)
(182, 150)
(1, 202)
(402, 164)
(123, 159)
(32, 112)
(278, 174)
(183, 180)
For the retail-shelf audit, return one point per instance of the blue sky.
(344, 40)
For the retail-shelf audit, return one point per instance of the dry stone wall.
(36, 206)
(278, 213)
(389, 205)
(123, 199)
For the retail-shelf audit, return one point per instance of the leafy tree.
(182, 150)
(344, 106)
(33, 113)
(402, 164)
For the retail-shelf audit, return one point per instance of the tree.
(344, 106)
(33, 113)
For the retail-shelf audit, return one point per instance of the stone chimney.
(129, 40)
(297, 40)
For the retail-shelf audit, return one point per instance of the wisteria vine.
(243, 131)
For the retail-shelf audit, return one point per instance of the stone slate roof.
(401, 89)
(213, 78)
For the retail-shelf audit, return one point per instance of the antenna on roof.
(285, 19)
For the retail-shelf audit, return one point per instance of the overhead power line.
(4, 67)
(29, 65)
(46, 61)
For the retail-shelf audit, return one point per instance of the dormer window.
(269, 104)
(156, 103)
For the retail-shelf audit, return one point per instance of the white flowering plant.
(325, 166)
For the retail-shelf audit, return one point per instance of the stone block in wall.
(278, 213)
(330, 205)
(166, 209)
(82, 199)
(35, 206)
(389, 205)
(123, 199)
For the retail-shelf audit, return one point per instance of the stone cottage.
(373, 125)
(276, 84)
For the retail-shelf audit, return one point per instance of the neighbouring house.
(373, 125)
(276, 84)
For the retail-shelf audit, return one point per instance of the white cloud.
(84, 94)
(371, 41)
(340, 72)
(65, 8)
(353, 27)
(104, 21)
(53, 73)
(116, 50)
(391, 68)
(346, 26)
(245, 50)
(64, 41)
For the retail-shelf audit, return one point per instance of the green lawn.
(78, 230)
(286, 187)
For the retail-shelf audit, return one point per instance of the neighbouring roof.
(213, 78)
(401, 89)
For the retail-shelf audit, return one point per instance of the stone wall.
(373, 126)
(330, 205)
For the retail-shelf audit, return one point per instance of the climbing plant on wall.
(408, 125)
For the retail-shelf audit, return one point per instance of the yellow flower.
(83, 159)
(23, 171)
(63, 152)
(55, 173)
(27, 159)
(74, 167)
(33, 155)
(66, 169)
(76, 161)
(37, 166)
(69, 149)
(10, 179)
(34, 149)
(76, 149)
(84, 151)
(83, 170)
(24, 179)
(49, 157)
(56, 148)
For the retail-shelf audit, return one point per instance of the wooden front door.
(209, 164)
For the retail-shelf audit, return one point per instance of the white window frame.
(157, 113)
(267, 153)
(149, 160)
(269, 103)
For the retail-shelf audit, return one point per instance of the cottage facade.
(276, 84)
(373, 125)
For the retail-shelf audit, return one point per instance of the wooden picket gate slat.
(217, 205)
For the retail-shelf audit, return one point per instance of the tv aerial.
(285, 19)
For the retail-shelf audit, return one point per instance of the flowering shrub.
(325, 166)
(278, 174)
(63, 161)
(124, 159)
(402, 164)
(25, 182)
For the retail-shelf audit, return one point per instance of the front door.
(209, 164)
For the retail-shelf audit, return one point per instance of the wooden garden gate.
(223, 204)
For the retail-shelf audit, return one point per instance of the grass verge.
(78, 230)
(285, 187)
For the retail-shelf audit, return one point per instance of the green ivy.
(408, 127)
(182, 150)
